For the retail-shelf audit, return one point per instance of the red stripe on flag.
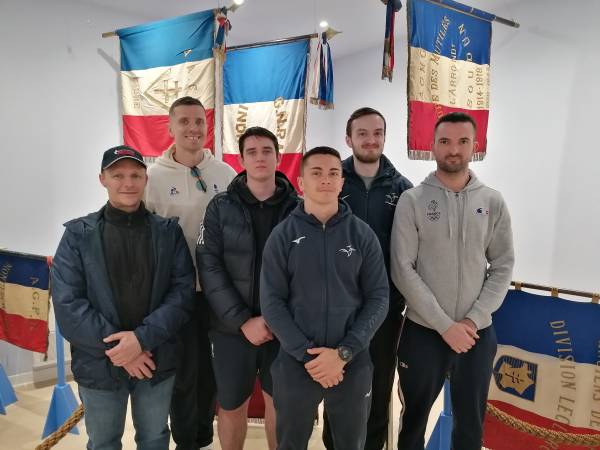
(150, 134)
(499, 436)
(423, 116)
(289, 165)
(30, 334)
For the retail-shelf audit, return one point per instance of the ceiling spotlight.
(323, 24)
(238, 2)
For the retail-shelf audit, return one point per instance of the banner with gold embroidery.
(24, 300)
(265, 86)
(546, 370)
(160, 62)
(448, 70)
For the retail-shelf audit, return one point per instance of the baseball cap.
(114, 154)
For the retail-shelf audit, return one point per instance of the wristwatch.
(345, 353)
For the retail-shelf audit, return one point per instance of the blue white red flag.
(160, 62)
(448, 70)
(546, 370)
(24, 300)
(265, 86)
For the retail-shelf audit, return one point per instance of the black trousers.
(296, 397)
(424, 362)
(194, 394)
(382, 349)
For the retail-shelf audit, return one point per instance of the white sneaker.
(208, 447)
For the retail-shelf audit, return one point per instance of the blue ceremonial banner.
(160, 62)
(266, 86)
(547, 368)
(24, 300)
(448, 70)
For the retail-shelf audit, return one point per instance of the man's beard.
(452, 168)
(368, 158)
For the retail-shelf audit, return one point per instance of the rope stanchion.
(557, 437)
(62, 431)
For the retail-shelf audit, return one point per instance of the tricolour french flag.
(24, 300)
(448, 70)
(160, 62)
(265, 86)
(546, 370)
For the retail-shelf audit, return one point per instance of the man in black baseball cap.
(123, 284)
(112, 155)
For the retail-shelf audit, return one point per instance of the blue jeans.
(105, 413)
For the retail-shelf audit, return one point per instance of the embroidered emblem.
(482, 211)
(392, 199)
(516, 376)
(348, 250)
(173, 191)
(432, 213)
(200, 240)
(297, 240)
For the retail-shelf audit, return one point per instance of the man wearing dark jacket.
(372, 187)
(122, 286)
(229, 255)
(324, 293)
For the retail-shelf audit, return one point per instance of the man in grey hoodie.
(452, 259)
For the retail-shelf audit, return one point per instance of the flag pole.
(473, 11)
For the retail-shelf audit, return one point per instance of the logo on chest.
(173, 191)
(432, 213)
(348, 250)
(482, 212)
(392, 198)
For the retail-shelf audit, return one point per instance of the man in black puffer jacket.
(229, 254)
(372, 188)
(324, 294)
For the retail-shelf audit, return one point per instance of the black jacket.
(376, 206)
(226, 254)
(85, 307)
(323, 285)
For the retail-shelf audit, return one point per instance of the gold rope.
(557, 437)
(53, 439)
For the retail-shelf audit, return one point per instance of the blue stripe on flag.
(26, 270)
(166, 42)
(449, 33)
(261, 74)
(550, 326)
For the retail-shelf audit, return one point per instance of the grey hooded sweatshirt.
(451, 253)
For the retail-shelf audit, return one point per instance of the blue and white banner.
(547, 368)
(265, 86)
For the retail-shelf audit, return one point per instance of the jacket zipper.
(458, 252)
(325, 297)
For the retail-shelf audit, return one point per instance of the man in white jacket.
(181, 183)
(452, 259)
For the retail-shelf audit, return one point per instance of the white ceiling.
(362, 22)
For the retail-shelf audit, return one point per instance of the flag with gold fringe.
(24, 300)
(546, 371)
(265, 86)
(160, 62)
(448, 70)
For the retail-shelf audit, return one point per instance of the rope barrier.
(53, 439)
(557, 437)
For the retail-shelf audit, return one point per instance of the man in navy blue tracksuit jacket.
(324, 293)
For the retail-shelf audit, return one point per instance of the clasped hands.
(129, 355)
(327, 368)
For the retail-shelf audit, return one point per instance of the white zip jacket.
(451, 253)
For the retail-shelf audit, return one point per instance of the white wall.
(542, 151)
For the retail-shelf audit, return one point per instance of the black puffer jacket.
(226, 253)
(377, 206)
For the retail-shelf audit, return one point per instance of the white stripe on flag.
(285, 118)
(151, 91)
(455, 83)
(565, 391)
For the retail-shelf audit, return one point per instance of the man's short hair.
(257, 131)
(455, 117)
(187, 100)
(360, 112)
(323, 150)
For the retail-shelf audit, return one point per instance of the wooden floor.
(22, 426)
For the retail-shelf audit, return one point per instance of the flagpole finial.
(234, 6)
(331, 32)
